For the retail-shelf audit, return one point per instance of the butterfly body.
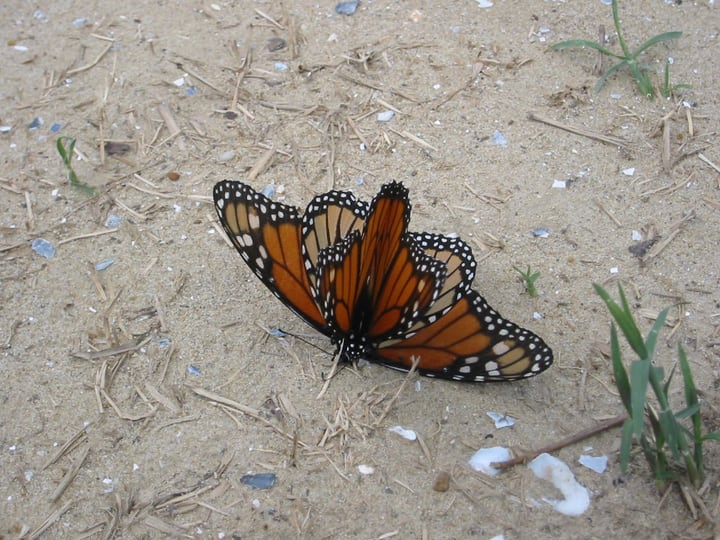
(353, 272)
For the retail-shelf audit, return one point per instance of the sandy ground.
(138, 396)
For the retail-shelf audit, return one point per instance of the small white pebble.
(226, 156)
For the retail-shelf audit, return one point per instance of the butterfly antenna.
(280, 333)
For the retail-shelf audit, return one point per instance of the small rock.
(499, 138)
(276, 44)
(442, 482)
(259, 480)
(43, 247)
(347, 8)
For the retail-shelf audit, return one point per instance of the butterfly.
(353, 271)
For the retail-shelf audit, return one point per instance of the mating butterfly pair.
(354, 273)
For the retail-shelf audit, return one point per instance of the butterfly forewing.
(268, 237)
(387, 222)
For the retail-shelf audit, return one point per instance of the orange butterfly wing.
(470, 342)
(460, 336)
(375, 285)
(268, 237)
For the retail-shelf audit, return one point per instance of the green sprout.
(667, 89)
(628, 59)
(66, 153)
(667, 444)
(529, 278)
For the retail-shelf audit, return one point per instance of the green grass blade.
(714, 436)
(629, 327)
(618, 29)
(651, 455)
(66, 154)
(666, 386)
(583, 43)
(608, 73)
(625, 445)
(666, 36)
(687, 412)
(619, 371)
(624, 319)
(692, 402)
(651, 341)
(666, 88)
(642, 79)
(639, 375)
(691, 396)
(672, 433)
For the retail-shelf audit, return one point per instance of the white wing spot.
(500, 348)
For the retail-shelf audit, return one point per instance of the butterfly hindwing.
(470, 342)
(459, 263)
(328, 220)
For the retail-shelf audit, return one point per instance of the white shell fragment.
(576, 497)
(597, 464)
(385, 116)
(501, 420)
(483, 458)
(408, 434)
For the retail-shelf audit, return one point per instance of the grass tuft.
(670, 448)
(529, 278)
(628, 59)
(66, 153)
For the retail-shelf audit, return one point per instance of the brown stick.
(572, 439)
(579, 131)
